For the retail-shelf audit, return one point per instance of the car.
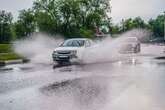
(71, 50)
(130, 45)
(157, 40)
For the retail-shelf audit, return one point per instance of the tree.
(127, 24)
(70, 17)
(69, 12)
(5, 27)
(47, 16)
(138, 23)
(115, 29)
(25, 25)
(130, 23)
(157, 26)
(45, 23)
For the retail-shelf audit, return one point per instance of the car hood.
(130, 43)
(67, 48)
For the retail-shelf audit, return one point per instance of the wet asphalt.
(136, 82)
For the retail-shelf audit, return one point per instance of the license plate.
(63, 57)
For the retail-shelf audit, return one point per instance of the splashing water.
(38, 47)
(95, 93)
(108, 49)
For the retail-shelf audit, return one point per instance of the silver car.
(71, 50)
(130, 45)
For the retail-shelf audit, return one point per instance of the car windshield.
(132, 39)
(73, 43)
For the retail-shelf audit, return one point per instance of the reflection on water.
(109, 86)
(124, 82)
(134, 87)
(88, 93)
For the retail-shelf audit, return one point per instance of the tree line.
(156, 26)
(70, 18)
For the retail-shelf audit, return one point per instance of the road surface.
(134, 83)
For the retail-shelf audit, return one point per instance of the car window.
(88, 44)
(73, 43)
(131, 39)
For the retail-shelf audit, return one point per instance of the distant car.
(71, 50)
(157, 40)
(130, 45)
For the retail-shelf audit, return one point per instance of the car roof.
(79, 39)
(131, 37)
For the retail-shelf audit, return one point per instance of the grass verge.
(7, 53)
(9, 56)
(6, 48)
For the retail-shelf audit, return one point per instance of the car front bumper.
(129, 50)
(63, 58)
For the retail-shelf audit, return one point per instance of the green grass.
(6, 53)
(9, 56)
(5, 48)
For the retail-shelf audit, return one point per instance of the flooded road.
(133, 83)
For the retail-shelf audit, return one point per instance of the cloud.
(132, 8)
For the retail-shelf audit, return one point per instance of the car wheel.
(60, 62)
(136, 49)
(139, 49)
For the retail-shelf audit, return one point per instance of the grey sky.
(120, 8)
(132, 8)
(15, 6)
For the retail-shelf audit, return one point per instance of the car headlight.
(55, 52)
(134, 45)
(74, 52)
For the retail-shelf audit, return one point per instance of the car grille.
(64, 52)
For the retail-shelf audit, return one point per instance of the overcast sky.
(131, 8)
(120, 8)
